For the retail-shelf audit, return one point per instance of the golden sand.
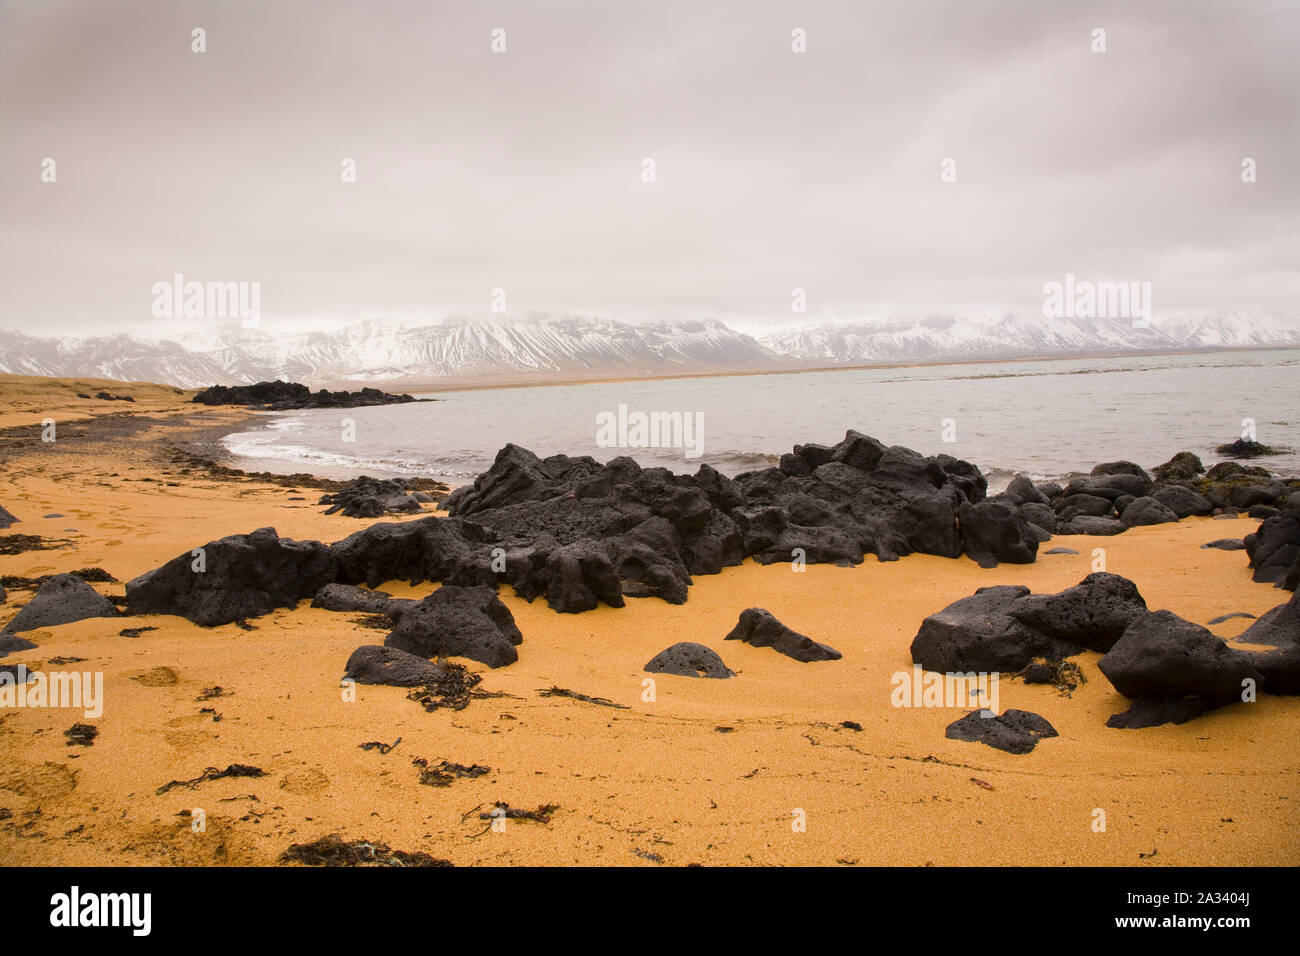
(709, 771)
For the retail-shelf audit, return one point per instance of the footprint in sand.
(188, 732)
(158, 677)
(308, 780)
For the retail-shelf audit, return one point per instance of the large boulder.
(761, 629)
(6, 519)
(994, 531)
(459, 622)
(373, 664)
(1274, 547)
(1093, 614)
(427, 549)
(1109, 468)
(1279, 629)
(240, 576)
(1162, 655)
(687, 659)
(62, 599)
(1081, 503)
(1146, 511)
(1022, 491)
(1183, 502)
(1015, 731)
(979, 633)
(1089, 524)
(1184, 466)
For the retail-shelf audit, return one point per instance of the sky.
(524, 170)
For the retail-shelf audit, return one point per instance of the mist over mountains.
(541, 347)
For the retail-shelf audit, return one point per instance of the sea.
(1048, 419)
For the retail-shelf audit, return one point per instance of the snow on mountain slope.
(466, 346)
(945, 338)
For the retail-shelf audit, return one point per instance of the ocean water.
(1048, 419)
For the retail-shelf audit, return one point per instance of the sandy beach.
(709, 772)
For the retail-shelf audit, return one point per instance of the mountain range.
(460, 349)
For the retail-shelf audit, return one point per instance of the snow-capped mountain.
(951, 338)
(464, 347)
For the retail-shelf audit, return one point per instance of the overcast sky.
(523, 170)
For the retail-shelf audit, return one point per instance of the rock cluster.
(281, 396)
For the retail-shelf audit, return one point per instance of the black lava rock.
(761, 629)
(689, 660)
(62, 599)
(243, 575)
(346, 597)
(1162, 655)
(1015, 731)
(459, 622)
(372, 664)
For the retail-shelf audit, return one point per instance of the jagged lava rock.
(978, 633)
(244, 575)
(1093, 614)
(459, 622)
(761, 629)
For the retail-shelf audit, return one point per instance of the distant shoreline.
(465, 384)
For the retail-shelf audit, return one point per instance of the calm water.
(1046, 418)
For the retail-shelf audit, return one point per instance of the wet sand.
(709, 771)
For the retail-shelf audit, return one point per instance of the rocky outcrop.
(372, 498)
(280, 396)
(1279, 629)
(240, 576)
